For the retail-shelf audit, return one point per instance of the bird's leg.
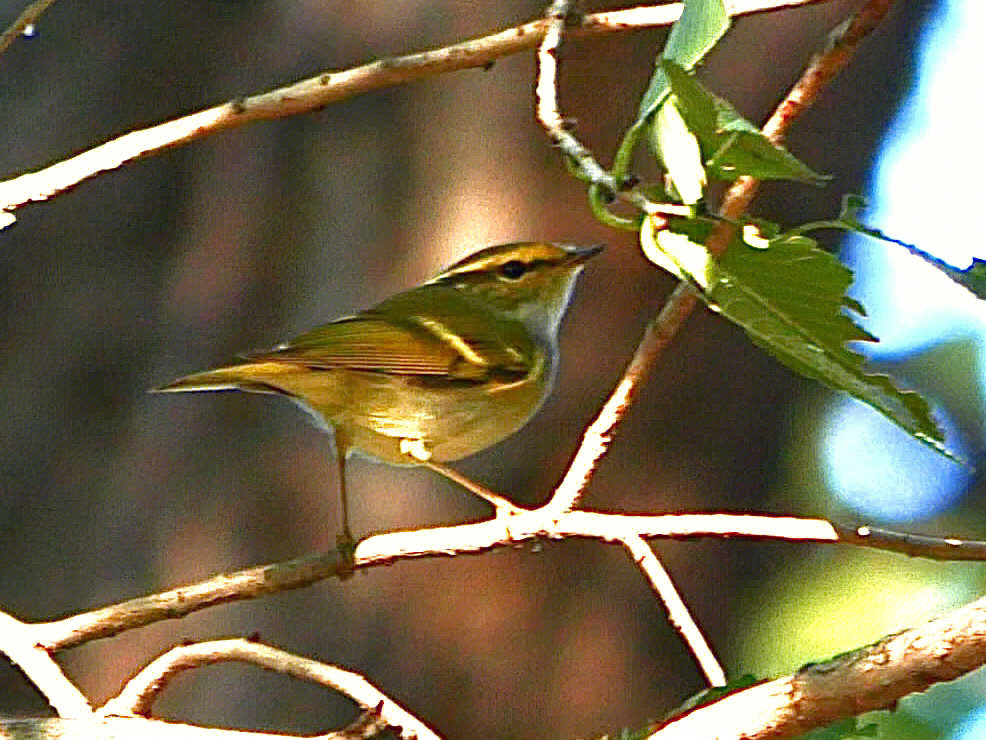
(501, 504)
(345, 542)
(418, 451)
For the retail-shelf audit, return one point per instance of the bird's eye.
(513, 269)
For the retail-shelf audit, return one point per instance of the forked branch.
(505, 531)
(35, 662)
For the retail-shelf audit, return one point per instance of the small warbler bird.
(433, 374)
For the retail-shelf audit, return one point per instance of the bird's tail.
(249, 376)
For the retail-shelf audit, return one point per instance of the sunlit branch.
(874, 677)
(682, 301)
(142, 690)
(505, 531)
(678, 614)
(17, 642)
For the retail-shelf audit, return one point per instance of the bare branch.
(127, 728)
(329, 87)
(874, 677)
(813, 697)
(18, 644)
(596, 438)
(502, 505)
(915, 545)
(546, 95)
(504, 531)
(678, 614)
(824, 66)
(175, 603)
(367, 725)
(139, 694)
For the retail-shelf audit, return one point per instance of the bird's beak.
(582, 254)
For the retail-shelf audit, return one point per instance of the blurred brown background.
(179, 262)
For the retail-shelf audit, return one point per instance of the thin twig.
(659, 332)
(915, 545)
(596, 438)
(329, 87)
(502, 506)
(546, 97)
(678, 614)
(18, 644)
(822, 68)
(387, 548)
(140, 692)
(28, 17)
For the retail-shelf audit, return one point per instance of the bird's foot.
(346, 547)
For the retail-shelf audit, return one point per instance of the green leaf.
(678, 150)
(731, 145)
(682, 257)
(627, 734)
(972, 278)
(790, 298)
(712, 695)
(844, 729)
(701, 25)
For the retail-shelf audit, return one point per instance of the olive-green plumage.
(438, 372)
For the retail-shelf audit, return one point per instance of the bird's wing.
(365, 343)
(405, 335)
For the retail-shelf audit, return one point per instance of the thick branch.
(874, 677)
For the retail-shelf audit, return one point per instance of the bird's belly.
(450, 421)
